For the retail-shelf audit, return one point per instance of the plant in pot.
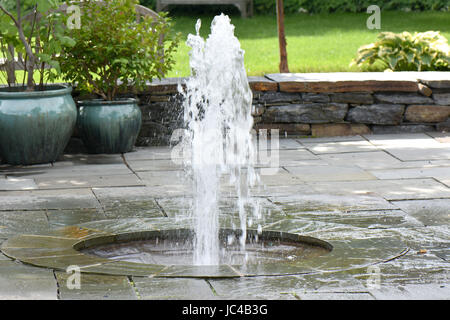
(114, 53)
(36, 119)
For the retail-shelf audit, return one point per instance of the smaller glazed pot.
(109, 126)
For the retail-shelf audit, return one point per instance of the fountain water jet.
(217, 112)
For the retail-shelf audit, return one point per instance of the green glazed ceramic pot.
(35, 126)
(109, 126)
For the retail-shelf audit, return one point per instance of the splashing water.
(217, 112)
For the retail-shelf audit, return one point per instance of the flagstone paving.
(382, 201)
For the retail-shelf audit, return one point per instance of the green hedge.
(328, 6)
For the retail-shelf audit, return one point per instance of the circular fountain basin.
(95, 247)
(175, 247)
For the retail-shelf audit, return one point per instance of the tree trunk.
(10, 66)
(282, 38)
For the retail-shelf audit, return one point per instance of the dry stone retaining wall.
(321, 104)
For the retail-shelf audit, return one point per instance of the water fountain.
(217, 111)
(220, 157)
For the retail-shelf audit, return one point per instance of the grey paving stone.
(283, 143)
(117, 226)
(17, 222)
(409, 147)
(408, 189)
(336, 296)
(378, 160)
(173, 289)
(153, 153)
(295, 155)
(430, 212)
(8, 168)
(340, 146)
(365, 160)
(142, 193)
(256, 288)
(294, 163)
(17, 183)
(48, 199)
(73, 159)
(279, 177)
(2, 256)
(339, 282)
(413, 173)
(119, 209)
(329, 231)
(163, 178)
(283, 190)
(108, 195)
(306, 203)
(444, 181)
(412, 276)
(18, 282)
(94, 287)
(330, 173)
(153, 165)
(435, 240)
(69, 169)
(330, 139)
(371, 219)
(107, 180)
(68, 217)
(413, 292)
(175, 207)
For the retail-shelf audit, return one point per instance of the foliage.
(151, 4)
(114, 51)
(324, 6)
(425, 51)
(329, 6)
(31, 33)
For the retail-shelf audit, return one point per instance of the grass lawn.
(317, 43)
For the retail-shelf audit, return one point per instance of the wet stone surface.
(381, 201)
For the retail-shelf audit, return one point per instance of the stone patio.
(383, 202)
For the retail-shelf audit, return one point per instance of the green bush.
(424, 51)
(113, 51)
(31, 33)
(329, 6)
(151, 4)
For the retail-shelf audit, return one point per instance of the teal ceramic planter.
(35, 126)
(109, 126)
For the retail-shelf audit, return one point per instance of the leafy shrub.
(114, 51)
(31, 33)
(425, 51)
(329, 6)
(151, 4)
